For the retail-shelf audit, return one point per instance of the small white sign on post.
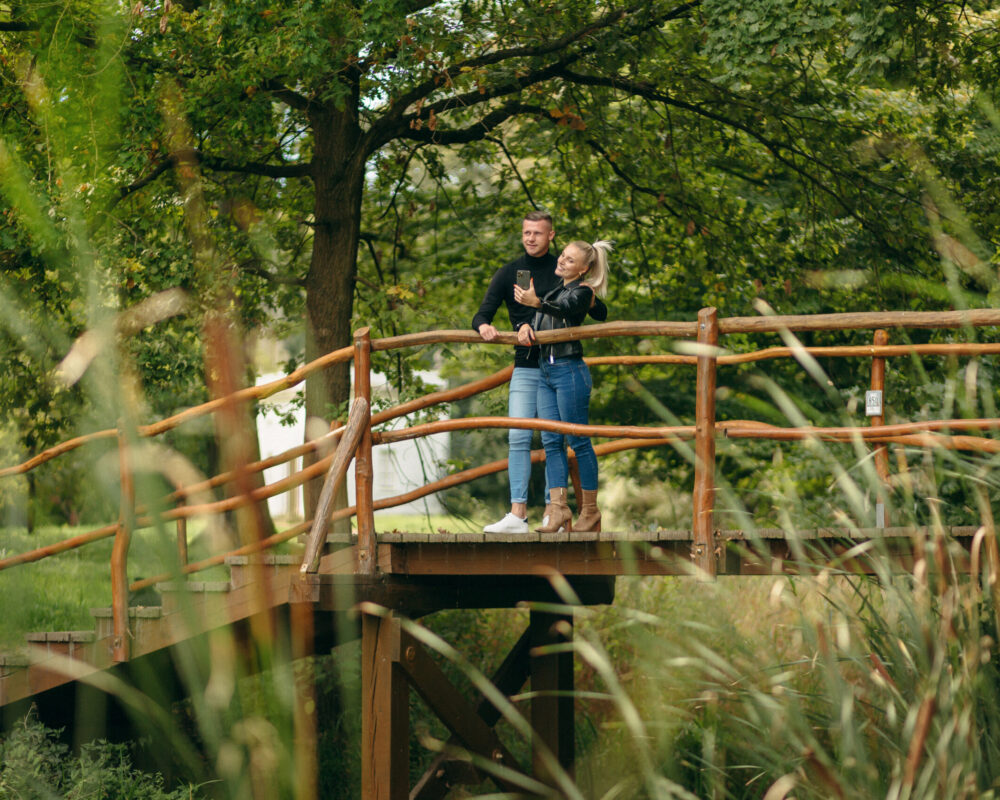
(873, 403)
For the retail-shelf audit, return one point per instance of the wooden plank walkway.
(658, 552)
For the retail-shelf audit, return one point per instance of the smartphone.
(524, 278)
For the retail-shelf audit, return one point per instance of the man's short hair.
(538, 216)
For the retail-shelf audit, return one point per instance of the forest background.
(301, 169)
(180, 175)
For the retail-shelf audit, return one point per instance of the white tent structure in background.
(397, 467)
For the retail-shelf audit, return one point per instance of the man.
(537, 234)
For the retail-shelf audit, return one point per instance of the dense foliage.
(35, 765)
(367, 163)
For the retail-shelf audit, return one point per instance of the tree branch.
(627, 180)
(255, 268)
(213, 163)
(404, 101)
(513, 165)
(132, 188)
(775, 147)
(217, 164)
(290, 98)
(475, 132)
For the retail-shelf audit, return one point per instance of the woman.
(564, 384)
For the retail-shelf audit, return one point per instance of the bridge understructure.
(342, 583)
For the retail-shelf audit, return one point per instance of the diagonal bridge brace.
(470, 730)
(394, 661)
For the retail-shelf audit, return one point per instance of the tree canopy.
(348, 163)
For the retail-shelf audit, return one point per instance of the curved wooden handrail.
(220, 506)
(444, 396)
(472, 423)
(864, 350)
(862, 320)
(314, 470)
(743, 429)
(216, 560)
(820, 322)
(260, 392)
(59, 547)
(328, 439)
(870, 351)
(924, 434)
(58, 450)
(601, 330)
(746, 429)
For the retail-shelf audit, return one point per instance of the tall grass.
(829, 684)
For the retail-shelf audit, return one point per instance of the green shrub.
(35, 765)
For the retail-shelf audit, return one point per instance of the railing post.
(703, 546)
(363, 484)
(119, 554)
(182, 536)
(881, 454)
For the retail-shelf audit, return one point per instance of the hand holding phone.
(524, 293)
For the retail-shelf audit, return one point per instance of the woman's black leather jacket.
(566, 306)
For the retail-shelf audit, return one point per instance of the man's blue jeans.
(564, 395)
(521, 402)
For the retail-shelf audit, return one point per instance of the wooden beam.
(703, 549)
(551, 688)
(438, 779)
(120, 642)
(421, 594)
(471, 731)
(363, 478)
(385, 712)
(357, 425)
(881, 452)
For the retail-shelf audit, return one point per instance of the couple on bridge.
(550, 381)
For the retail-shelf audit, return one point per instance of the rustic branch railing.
(358, 438)
(357, 422)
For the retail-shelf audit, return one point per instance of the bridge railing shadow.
(353, 442)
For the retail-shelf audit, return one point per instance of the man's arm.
(482, 322)
(598, 310)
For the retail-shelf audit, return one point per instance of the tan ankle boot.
(590, 514)
(559, 516)
(547, 513)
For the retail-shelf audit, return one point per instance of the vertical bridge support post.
(881, 450)
(551, 688)
(703, 547)
(385, 712)
(363, 480)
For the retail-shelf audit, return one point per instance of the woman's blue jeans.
(564, 395)
(522, 401)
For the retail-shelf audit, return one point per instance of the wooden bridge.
(393, 577)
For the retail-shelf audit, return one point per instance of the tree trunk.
(338, 175)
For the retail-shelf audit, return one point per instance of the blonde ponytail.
(596, 257)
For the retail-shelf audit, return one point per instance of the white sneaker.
(509, 524)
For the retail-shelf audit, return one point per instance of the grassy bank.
(56, 593)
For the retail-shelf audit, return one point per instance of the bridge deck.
(657, 552)
(419, 573)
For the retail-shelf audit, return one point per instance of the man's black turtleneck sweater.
(501, 290)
